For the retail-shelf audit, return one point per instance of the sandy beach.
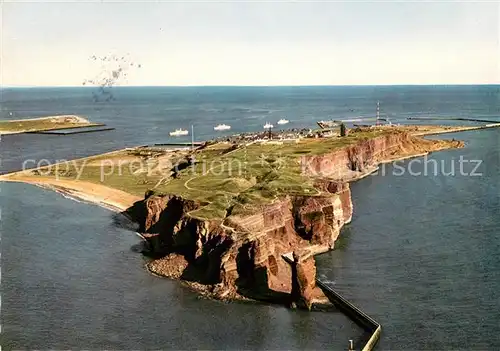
(113, 199)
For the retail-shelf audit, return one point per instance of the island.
(44, 124)
(240, 218)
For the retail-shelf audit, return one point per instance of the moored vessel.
(179, 132)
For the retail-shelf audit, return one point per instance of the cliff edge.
(239, 254)
(222, 217)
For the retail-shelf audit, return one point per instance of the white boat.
(268, 125)
(283, 121)
(222, 127)
(179, 132)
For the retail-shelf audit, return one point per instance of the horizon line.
(242, 86)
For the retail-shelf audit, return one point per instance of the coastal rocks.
(319, 219)
(166, 225)
(241, 255)
(304, 291)
(172, 266)
(354, 161)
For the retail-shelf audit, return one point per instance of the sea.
(421, 255)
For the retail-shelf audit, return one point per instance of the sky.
(249, 43)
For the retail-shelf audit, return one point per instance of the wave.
(325, 280)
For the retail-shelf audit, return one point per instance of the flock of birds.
(224, 127)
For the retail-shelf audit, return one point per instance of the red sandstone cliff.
(354, 161)
(241, 255)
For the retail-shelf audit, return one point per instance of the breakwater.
(354, 313)
(451, 119)
(77, 130)
(458, 129)
(350, 310)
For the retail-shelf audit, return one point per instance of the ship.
(283, 121)
(222, 127)
(179, 132)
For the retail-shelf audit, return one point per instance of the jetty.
(366, 322)
(43, 124)
(451, 129)
(452, 119)
(74, 130)
(355, 314)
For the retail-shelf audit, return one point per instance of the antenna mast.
(192, 137)
(378, 112)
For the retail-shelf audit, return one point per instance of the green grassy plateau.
(222, 175)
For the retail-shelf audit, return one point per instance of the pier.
(97, 127)
(452, 119)
(459, 129)
(354, 313)
(71, 132)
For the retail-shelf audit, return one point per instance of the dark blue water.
(421, 255)
(73, 279)
(146, 115)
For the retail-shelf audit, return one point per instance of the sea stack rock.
(303, 280)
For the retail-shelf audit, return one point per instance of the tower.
(245, 159)
(378, 112)
(192, 137)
